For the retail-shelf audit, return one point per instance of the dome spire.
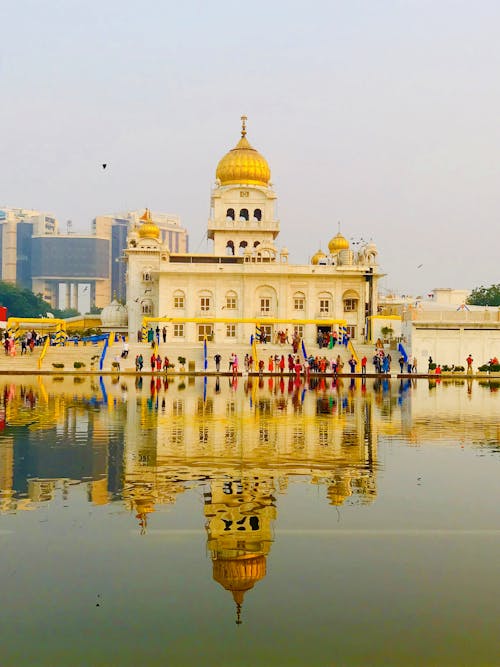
(243, 165)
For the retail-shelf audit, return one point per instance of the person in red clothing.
(363, 365)
(153, 362)
(469, 361)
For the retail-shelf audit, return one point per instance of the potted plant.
(182, 363)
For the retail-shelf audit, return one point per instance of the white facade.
(449, 335)
(247, 282)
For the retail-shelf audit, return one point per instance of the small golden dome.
(148, 229)
(338, 242)
(317, 257)
(243, 164)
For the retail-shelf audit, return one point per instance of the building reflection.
(242, 442)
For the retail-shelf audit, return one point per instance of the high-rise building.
(17, 226)
(73, 270)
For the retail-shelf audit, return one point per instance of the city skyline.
(384, 119)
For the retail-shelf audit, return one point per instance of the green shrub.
(58, 365)
(181, 360)
(458, 369)
(432, 367)
(78, 364)
(495, 368)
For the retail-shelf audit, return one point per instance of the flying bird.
(104, 165)
(419, 266)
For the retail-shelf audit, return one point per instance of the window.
(147, 308)
(146, 276)
(230, 303)
(257, 214)
(265, 305)
(230, 214)
(205, 303)
(350, 305)
(324, 305)
(298, 303)
(230, 330)
(267, 330)
(178, 330)
(205, 330)
(244, 214)
(179, 301)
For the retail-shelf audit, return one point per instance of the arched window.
(147, 307)
(242, 247)
(244, 214)
(299, 301)
(230, 214)
(230, 248)
(206, 301)
(256, 243)
(231, 300)
(146, 275)
(257, 214)
(351, 300)
(179, 299)
(325, 303)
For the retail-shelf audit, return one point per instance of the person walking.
(235, 365)
(352, 363)
(153, 362)
(414, 365)
(164, 334)
(217, 359)
(401, 363)
(140, 361)
(363, 365)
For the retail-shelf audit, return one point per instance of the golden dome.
(315, 259)
(239, 575)
(148, 229)
(243, 164)
(338, 242)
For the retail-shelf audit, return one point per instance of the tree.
(22, 302)
(485, 296)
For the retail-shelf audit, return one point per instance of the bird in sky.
(419, 266)
(104, 165)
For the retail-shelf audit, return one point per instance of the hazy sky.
(382, 114)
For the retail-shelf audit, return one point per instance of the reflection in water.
(242, 441)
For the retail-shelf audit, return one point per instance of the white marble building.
(246, 281)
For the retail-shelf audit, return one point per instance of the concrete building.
(17, 227)
(71, 269)
(246, 284)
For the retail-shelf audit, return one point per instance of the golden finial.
(244, 125)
